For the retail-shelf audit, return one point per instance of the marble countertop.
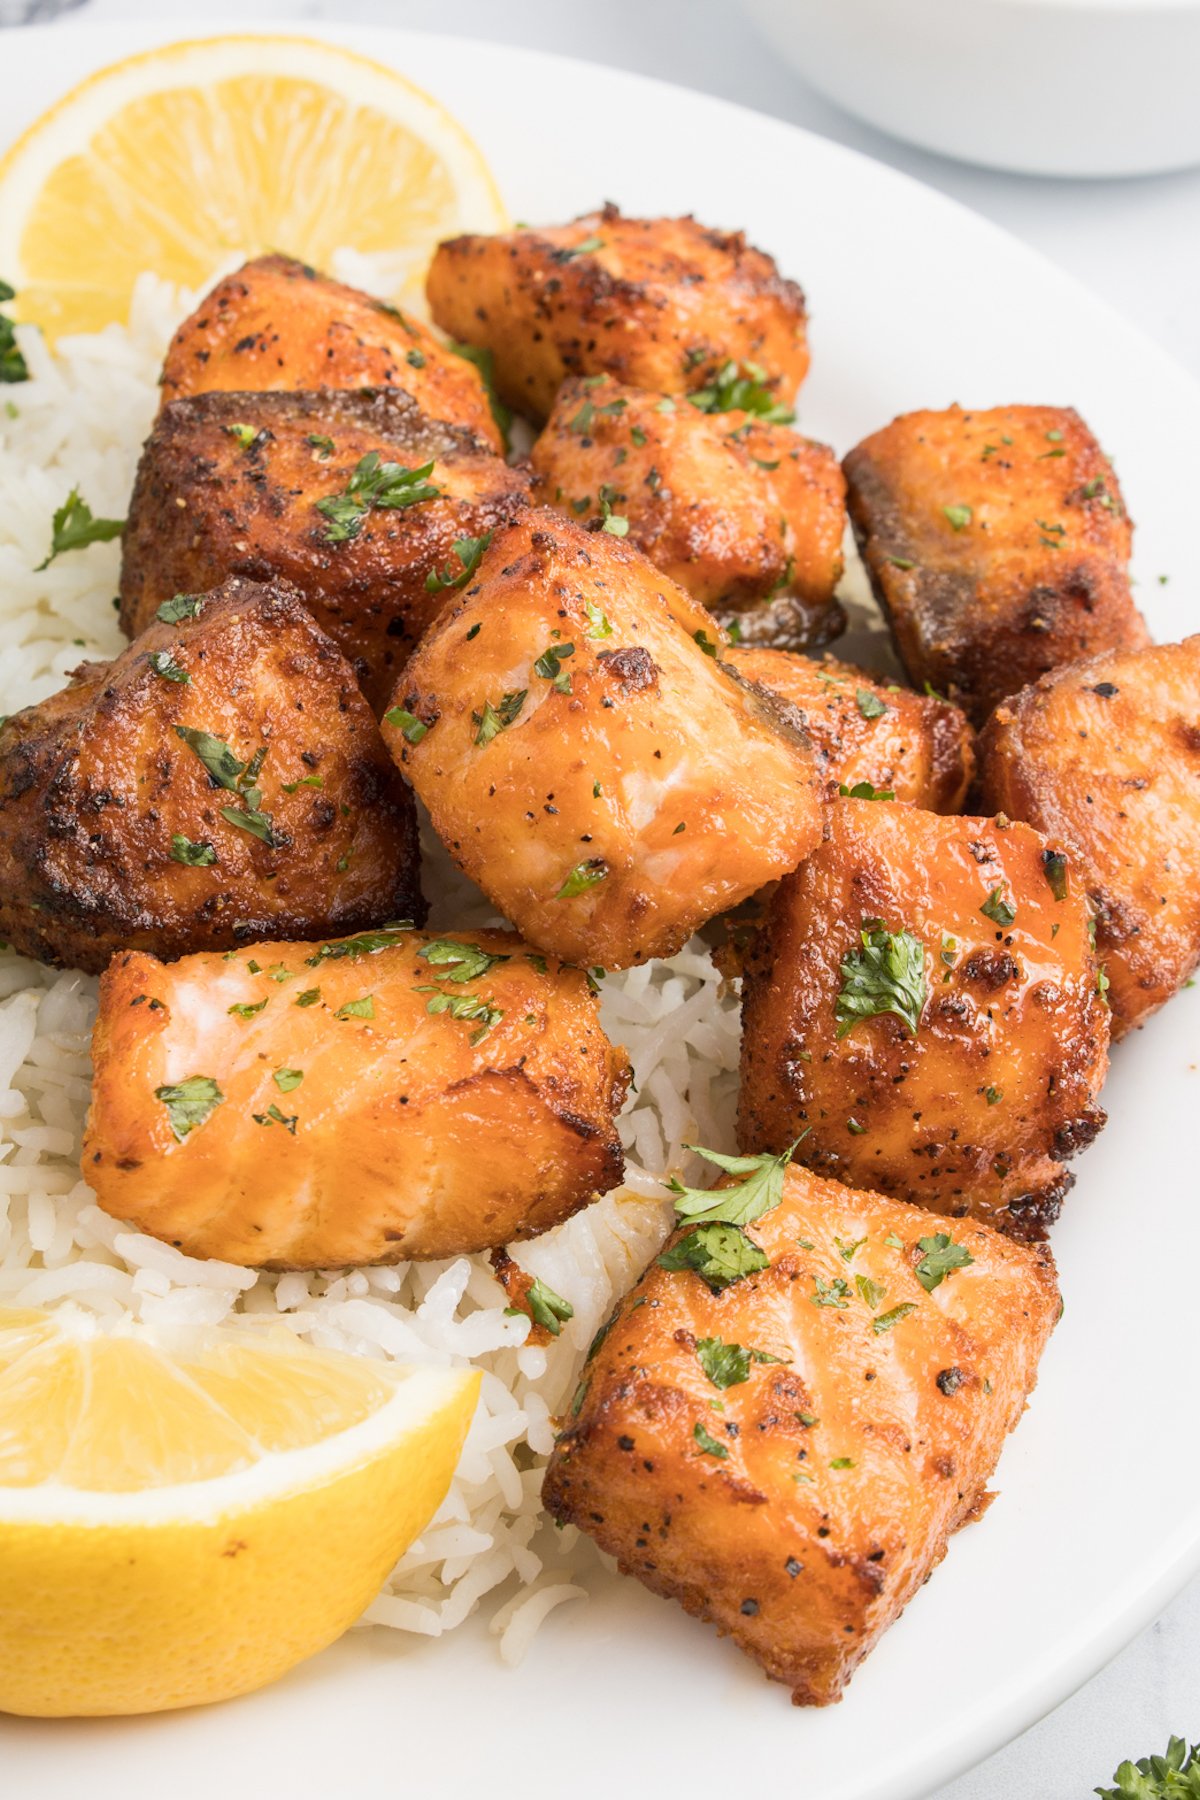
(1137, 243)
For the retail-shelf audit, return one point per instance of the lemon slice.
(191, 157)
(185, 1516)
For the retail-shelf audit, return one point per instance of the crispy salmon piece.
(1105, 757)
(235, 484)
(128, 809)
(606, 782)
(659, 303)
(997, 543)
(922, 1005)
(372, 1099)
(911, 745)
(276, 323)
(746, 515)
(788, 1455)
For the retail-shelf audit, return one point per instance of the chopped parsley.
(869, 703)
(598, 625)
(742, 388)
(942, 1256)
(469, 551)
(549, 666)
(863, 790)
(885, 975)
(614, 523)
(189, 1102)
(708, 1444)
(841, 1462)
(869, 1292)
(462, 1006)
(720, 1254)
(181, 607)
(287, 1079)
(886, 1321)
(459, 962)
(835, 1293)
(309, 997)
(586, 248)
(495, 719)
(706, 643)
(583, 876)
(191, 854)
(238, 777)
(1054, 868)
(848, 1251)
(273, 1116)
(759, 1192)
(246, 1009)
(546, 1308)
(582, 422)
(959, 516)
(313, 781)
(74, 528)
(409, 726)
(164, 664)
(374, 483)
(13, 366)
(324, 446)
(727, 1365)
(993, 1095)
(366, 943)
(1001, 911)
(245, 434)
(356, 1009)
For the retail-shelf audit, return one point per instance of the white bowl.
(1045, 87)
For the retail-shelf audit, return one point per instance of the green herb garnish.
(708, 1444)
(886, 1321)
(959, 516)
(997, 908)
(189, 1102)
(287, 1079)
(74, 528)
(495, 719)
(759, 1191)
(885, 975)
(410, 727)
(366, 943)
(374, 483)
(583, 876)
(549, 666)
(942, 1256)
(719, 1254)
(742, 388)
(869, 703)
(191, 854)
(863, 790)
(469, 552)
(164, 664)
(363, 1008)
(727, 1365)
(459, 962)
(183, 606)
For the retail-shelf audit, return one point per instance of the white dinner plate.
(915, 302)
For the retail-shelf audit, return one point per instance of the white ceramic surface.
(1046, 87)
(915, 303)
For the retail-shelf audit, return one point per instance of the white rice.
(80, 422)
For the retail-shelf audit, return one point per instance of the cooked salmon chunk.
(997, 543)
(605, 781)
(664, 304)
(372, 1099)
(912, 746)
(786, 1419)
(922, 1008)
(222, 780)
(1105, 757)
(745, 514)
(276, 323)
(375, 511)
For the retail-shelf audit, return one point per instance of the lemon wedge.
(190, 157)
(186, 1515)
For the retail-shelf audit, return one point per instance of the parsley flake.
(547, 1308)
(708, 1444)
(357, 1009)
(549, 666)
(759, 1192)
(469, 551)
(189, 1102)
(869, 703)
(942, 1256)
(598, 625)
(191, 854)
(495, 719)
(583, 876)
(74, 527)
(287, 1079)
(181, 607)
(888, 1320)
(997, 908)
(720, 1254)
(409, 726)
(727, 1365)
(742, 388)
(164, 664)
(885, 975)
(959, 516)
(374, 483)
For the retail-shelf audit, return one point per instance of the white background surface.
(1136, 243)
